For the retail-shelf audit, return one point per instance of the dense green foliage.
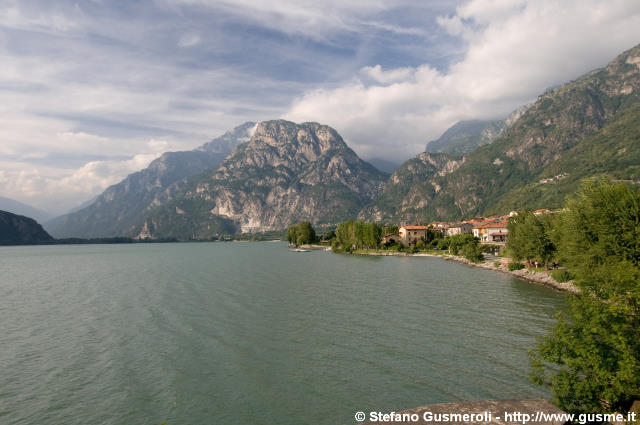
(357, 235)
(472, 251)
(301, 233)
(530, 237)
(595, 346)
(515, 266)
(561, 275)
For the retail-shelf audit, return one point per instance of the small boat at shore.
(299, 250)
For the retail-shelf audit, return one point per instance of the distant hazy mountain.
(586, 128)
(121, 207)
(20, 230)
(384, 165)
(465, 136)
(16, 207)
(286, 173)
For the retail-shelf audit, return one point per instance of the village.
(488, 230)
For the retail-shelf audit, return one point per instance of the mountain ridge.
(122, 206)
(287, 172)
(20, 230)
(558, 121)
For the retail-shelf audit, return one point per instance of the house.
(492, 232)
(457, 229)
(542, 211)
(390, 238)
(410, 235)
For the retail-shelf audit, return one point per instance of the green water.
(250, 333)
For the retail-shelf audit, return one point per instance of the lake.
(250, 333)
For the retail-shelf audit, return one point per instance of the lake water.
(250, 333)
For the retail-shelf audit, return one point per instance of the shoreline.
(539, 278)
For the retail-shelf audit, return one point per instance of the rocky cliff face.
(411, 189)
(120, 209)
(21, 230)
(286, 173)
(548, 133)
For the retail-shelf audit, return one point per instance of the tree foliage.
(358, 234)
(301, 233)
(591, 359)
(530, 237)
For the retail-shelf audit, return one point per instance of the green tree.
(456, 242)
(472, 251)
(529, 237)
(591, 359)
(390, 228)
(305, 233)
(292, 234)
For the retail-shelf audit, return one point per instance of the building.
(457, 229)
(491, 232)
(410, 235)
(390, 238)
(542, 211)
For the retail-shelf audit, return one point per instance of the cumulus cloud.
(56, 189)
(515, 50)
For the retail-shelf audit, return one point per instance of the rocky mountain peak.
(229, 140)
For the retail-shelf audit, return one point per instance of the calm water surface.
(250, 333)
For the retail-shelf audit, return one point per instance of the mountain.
(464, 136)
(286, 173)
(385, 165)
(584, 128)
(20, 230)
(16, 207)
(614, 152)
(121, 207)
(404, 195)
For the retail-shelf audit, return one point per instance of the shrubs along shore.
(539, 277)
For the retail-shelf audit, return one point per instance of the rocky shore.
(540, 278)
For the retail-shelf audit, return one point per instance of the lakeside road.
(526, 274)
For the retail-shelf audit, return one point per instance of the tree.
(472, 251)
(529, 237)
(292, 234)
(305, 233)
(456, 242)
(591, 359)
(301, 233)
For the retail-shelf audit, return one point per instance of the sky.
(93, 90)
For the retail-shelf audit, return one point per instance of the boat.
(299, 250)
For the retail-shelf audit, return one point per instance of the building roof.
(500, 234)
(414, 227)
(494, 225)
(455, 225)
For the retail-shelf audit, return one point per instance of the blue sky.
(93, 90)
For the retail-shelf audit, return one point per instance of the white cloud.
(318, 20)
(515, 50)
(56, 189)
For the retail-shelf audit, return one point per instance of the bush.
(496, 264)
(472, 252)
(561, 275)
(515, 266)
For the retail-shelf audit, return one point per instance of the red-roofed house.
(489, 232)
(410, 235)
